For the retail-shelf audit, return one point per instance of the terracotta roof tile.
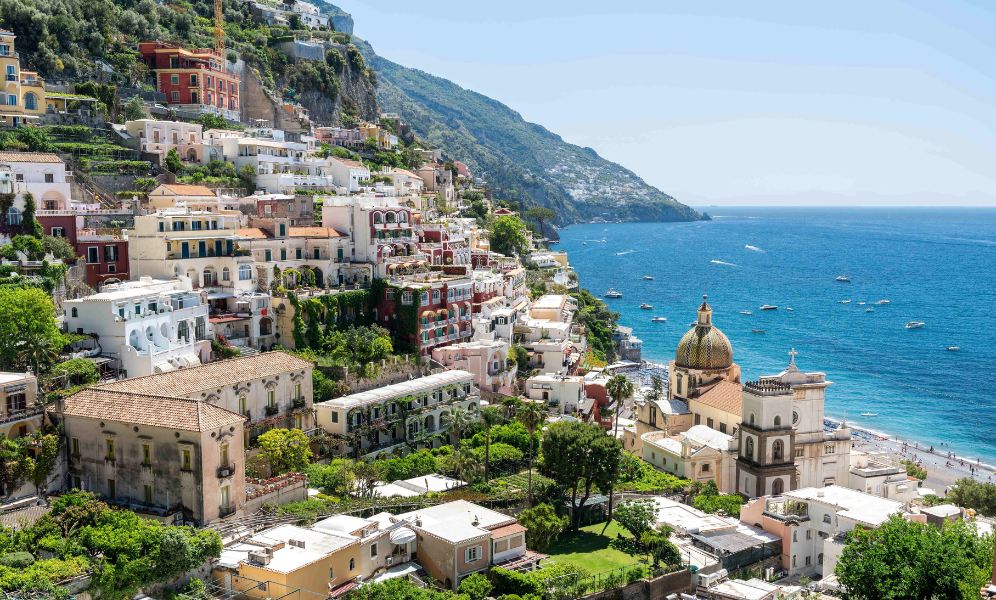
(252, 233)
(188, 190)
(184, 382)
(151, 410)
(507, 530)
(33, 157)
(350, 163)
(314, 232)
(725, 395)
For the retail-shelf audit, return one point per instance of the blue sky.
(874, 102)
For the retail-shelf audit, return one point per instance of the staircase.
(248, 351)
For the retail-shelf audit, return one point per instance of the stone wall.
(650, 589)
(293, 492)
(391, 371)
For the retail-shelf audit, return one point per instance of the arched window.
(245, 272)
(378, 218)
(30, 101)
(76, 312)
(208, 277)
(183, 331)
(777, 487)
(776, 450)
(751, 419)
(265, 326)
(778, 421)
(226, 275)
(13, 216)
(390, 218)
(750, 448)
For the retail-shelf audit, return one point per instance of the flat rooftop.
(852, 504)
(399, 390)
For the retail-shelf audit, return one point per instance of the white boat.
(659, 320)
(953, 348)
(843, 302)
(790, 308)
(646, 306)
(746, 312)
(769, 307)
(869, 309)
(861, 303)
(584, 243)
(869, 414)
(648, 278)
(843, 279)
(882, 302)
(612, 293)
(915, 325)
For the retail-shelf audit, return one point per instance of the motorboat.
(659, 320)
(769, 307)
(861, 303)
(843, 302)
(869, 414)
(646, 306)
(953, 348)
(869, 309)
(648, 278)
(584, 243)
(612, 293)
(915, 325)
(843, 279)
(882, 302)
(746, 312)
(790, 308)
(757, 331)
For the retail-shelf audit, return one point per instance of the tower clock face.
(795, 418)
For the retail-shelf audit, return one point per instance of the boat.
(584, 243)
(646, 306)
(746, 312)
(790, 308)
(869, 414)
(843, 302)
(869, 309)
(861, 303)
(953, 348)
(757, 331)
(769, 307)
(882, 302)
(915, 325)
(843, 279)
(648, 278)
(659, 320)
(612, 293)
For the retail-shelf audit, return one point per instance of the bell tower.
(765, 466)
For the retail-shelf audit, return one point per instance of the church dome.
(704, 346)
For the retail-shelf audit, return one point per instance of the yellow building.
(12, 112)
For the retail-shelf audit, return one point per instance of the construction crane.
(219, 27)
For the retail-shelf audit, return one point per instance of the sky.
(875, 102)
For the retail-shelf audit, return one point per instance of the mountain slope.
(521, 160)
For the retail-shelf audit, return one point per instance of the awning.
(469, 307)
(442, 311)
(428, 313)
(191, 360)
(402, 536)
(391, 268)
(164, 367)
(219, 295)
(342, 589)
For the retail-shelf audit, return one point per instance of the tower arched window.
(751, 418)
(777, 487)
(776, 450)
(750, 448)
(778, 421)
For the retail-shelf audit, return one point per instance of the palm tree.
(510, 405)
(490, 416)
(37, 349)
(463, 460)
(656, 391)
(532, 415)
(459, 418)
(620, 388)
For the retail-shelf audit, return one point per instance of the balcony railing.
(272, 410)
(226, 471)
(24, 413)
(298, 403)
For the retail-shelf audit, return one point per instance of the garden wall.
(650, 589)
(293, 491)
(394, 370)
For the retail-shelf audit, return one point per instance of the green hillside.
(520, 160)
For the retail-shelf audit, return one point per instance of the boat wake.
(754, 248)
(626, 252)
(719, 262)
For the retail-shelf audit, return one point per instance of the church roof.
(724, 395)
(704, 346)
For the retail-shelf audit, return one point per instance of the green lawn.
(592, 548)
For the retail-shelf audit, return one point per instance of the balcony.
(298, 403)
(21, 414)
(272, 410)
(226, 471)
(226, 511)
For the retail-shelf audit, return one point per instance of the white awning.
(219, 295)
(902, 487)
(402, 536)
(164, 367)
(191, 360)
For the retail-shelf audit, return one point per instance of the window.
(186, 460)
(49, 177)
(146, 454)
(283, 230)
(698, 419)
(78, 484)
(809, 559)
(110, 253)
(709, 423)
(193, 79)
(722, 427)
(776, 450)
(335, 419)
(13, 214)
(331, 574)
(829, 450)
(800, 452)
(297, 253)
(826, 518)
(267, 256)
(76, 446)
(58, 232)
(147, 494)
(705, 468)
(174, 79)
(793, 561)
(31, 102)
(271, 398)
(110, 449)
(795, 535)
(226, 275)
(283, 254)
(751, 420)
(809, 534)
(174, 96)
(75, 312)
(352, 561)
(373, 550)
(473, 554)
(407, 298)
(112, 488)
(750, 448)
(795, 417)
(92, 255)
(819, 558)
(778, 421)
(316, 254)
(297, 391)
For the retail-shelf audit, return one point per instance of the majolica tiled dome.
(704, 346)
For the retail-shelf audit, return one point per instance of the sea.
(935, 265)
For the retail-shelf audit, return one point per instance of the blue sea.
(933, 265)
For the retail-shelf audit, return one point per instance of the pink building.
(486, 359)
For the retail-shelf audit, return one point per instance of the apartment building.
(338, 136)
(381, 230)
(322, 250)
(40, 174)
(195, 81)
(566, 391)
(258, 387)
(347, 173)
(443, 309)
(149, 326)
(159, 137)
(813, 523)
(879, 474)
(193, 197)
(12, 96)
(200, 245)
(384, 419)
(458, 539)
(178, 460)
(486, 359)
(445, 243)
(280, 165)
(386, 544)
(21, 415)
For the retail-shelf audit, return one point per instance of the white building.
(159, 137)
(381, 230)
(881, 475)
(348, 173)
(151, 326)
(699, 454)
(566, 391)
(40, 174)
(486, 359)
